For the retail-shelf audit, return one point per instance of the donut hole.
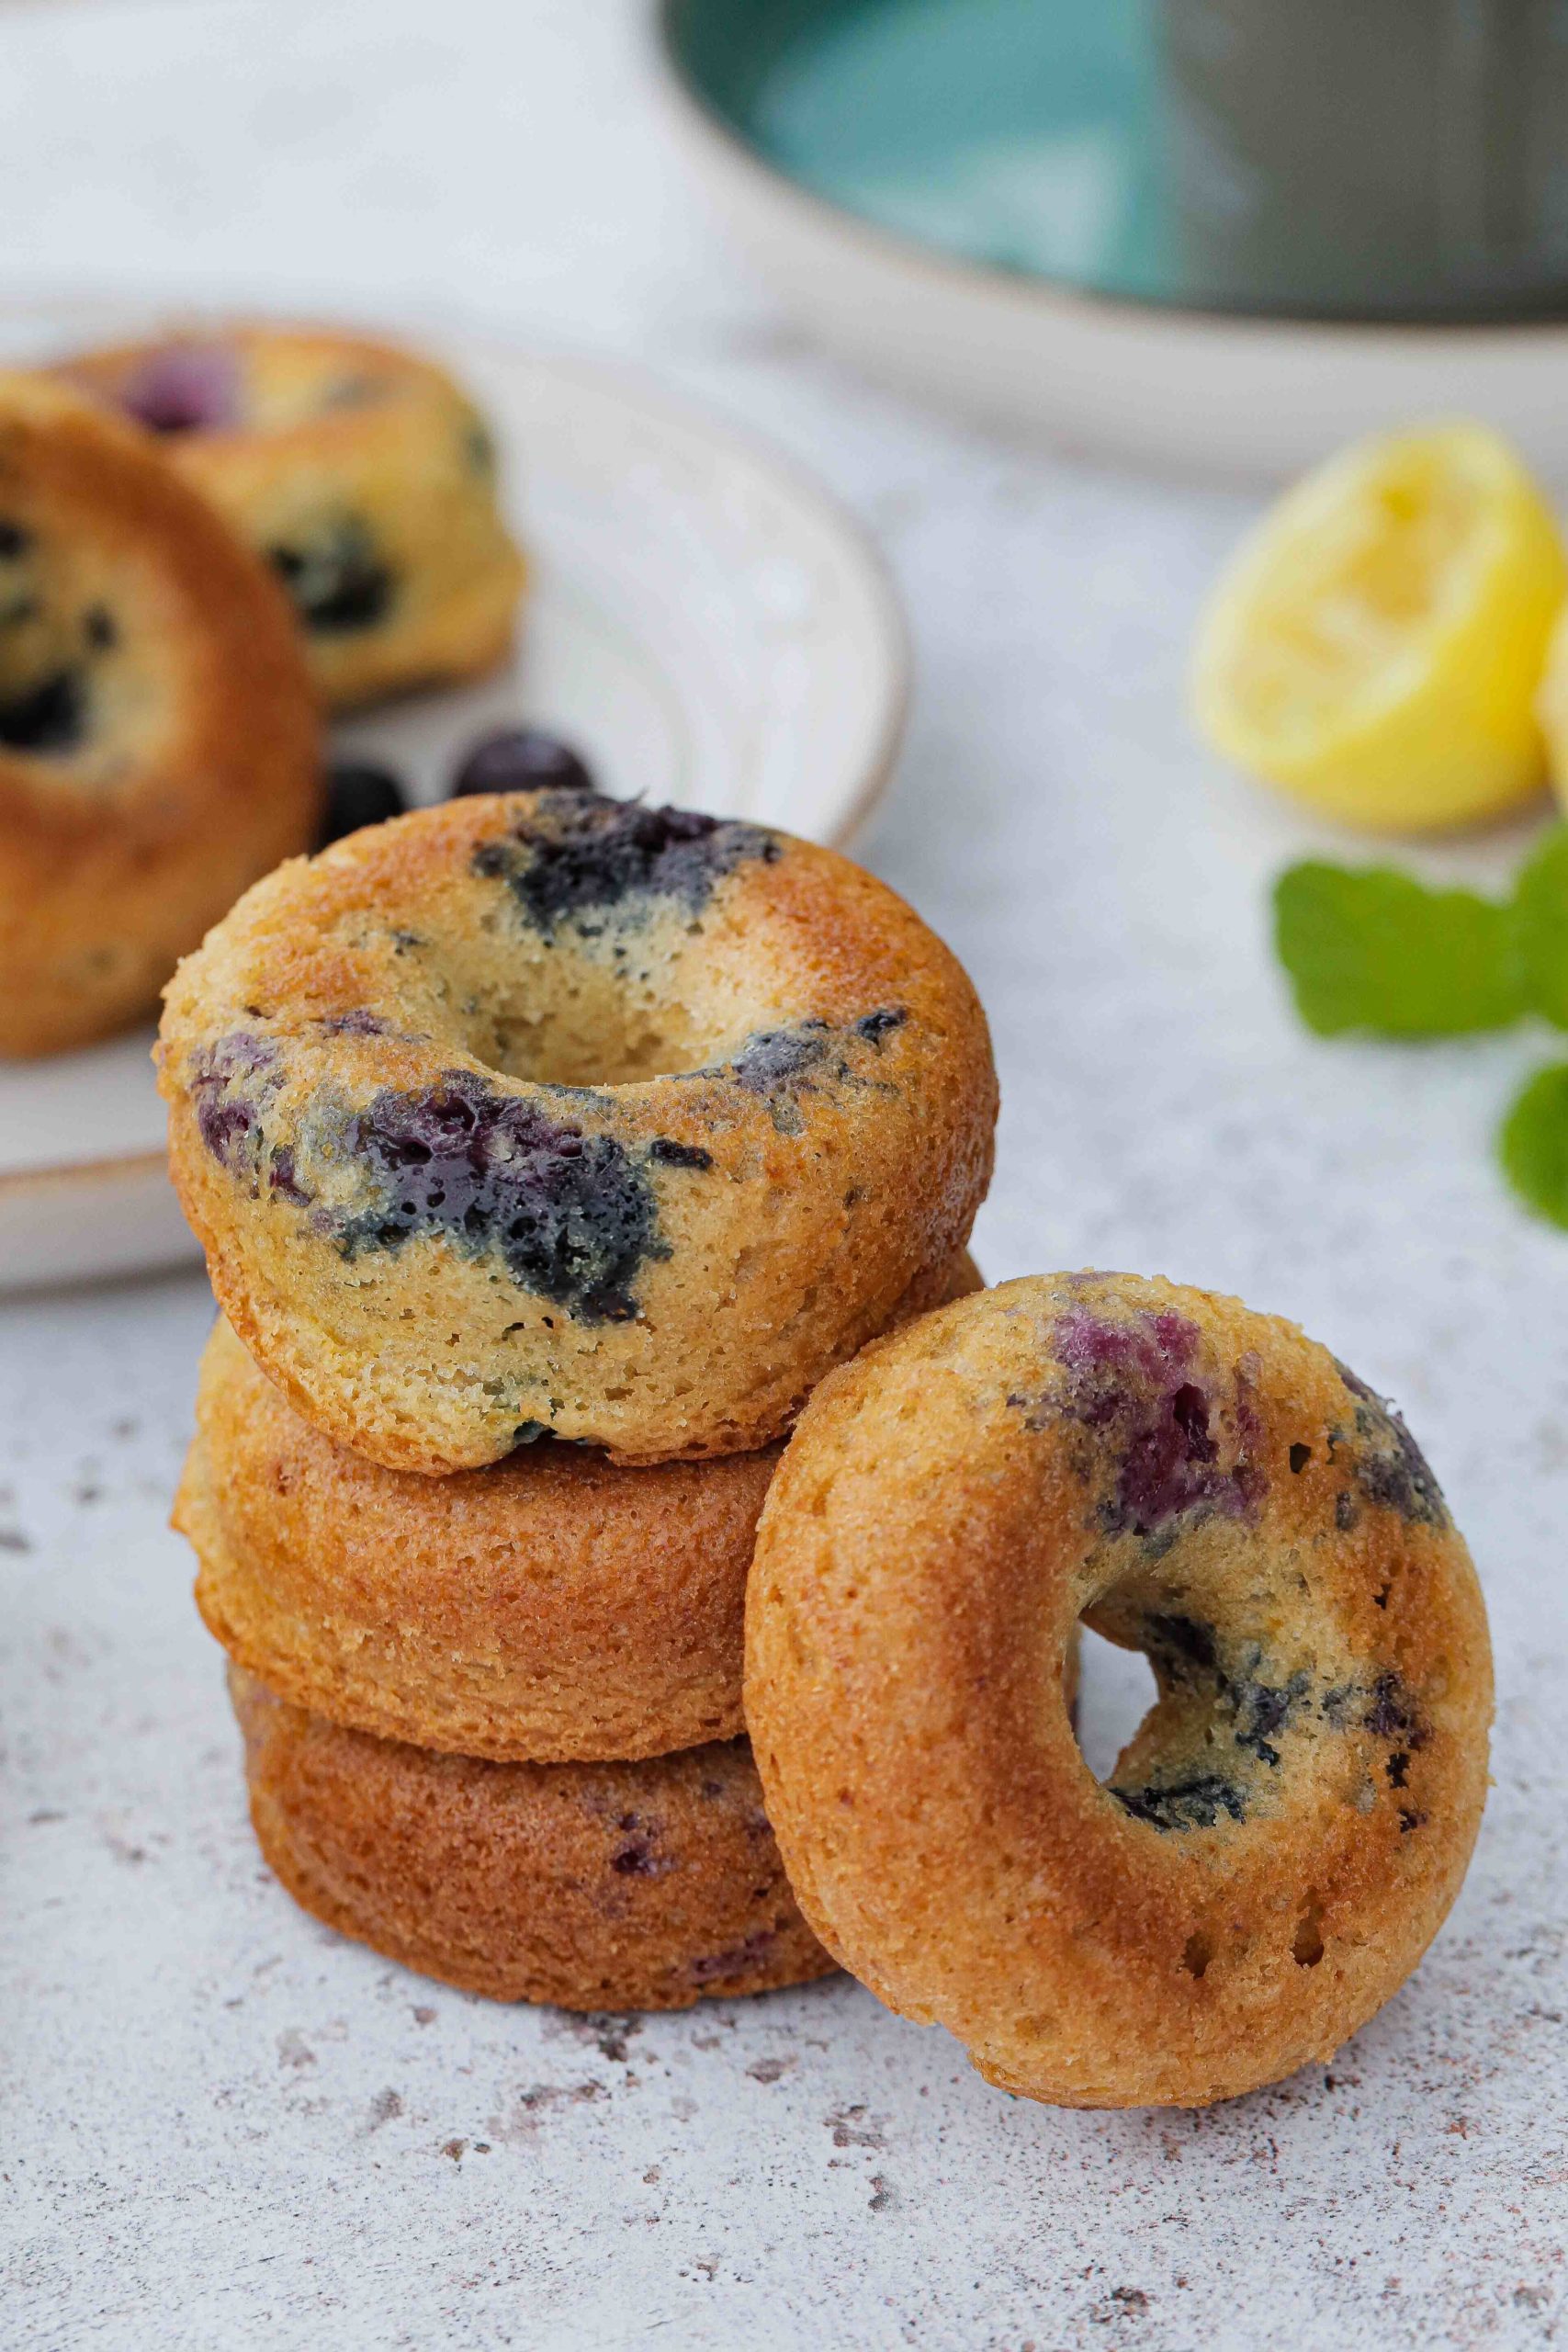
(1117, 1694)
(568, 1013)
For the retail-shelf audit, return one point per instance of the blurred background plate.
(704, 625)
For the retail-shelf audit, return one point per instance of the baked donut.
(551, 1607)
(364, 475)
(594, 1886)
(1285, 1832)
(549, 1113)
(158, 735)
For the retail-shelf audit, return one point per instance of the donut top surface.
(594, 1050)
(1194, 1481)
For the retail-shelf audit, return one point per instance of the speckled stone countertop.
(221, 2126)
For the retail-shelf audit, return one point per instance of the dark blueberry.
(478, 448)
(359, 795)
(635, 1860)
(874, 1026)
(1263, 1710)
(1195, 1803)
(1347, 1510)
(189, 388)
(520, 759)
(337, 581)
(577, 852)
(1390, 1467)
(671, 1154)
(1395, 1713)
(775, 1057)
(52, 717)
(281, 1177)
(100, 629)
(360, 1022)
(14, 539)
(571, 1214)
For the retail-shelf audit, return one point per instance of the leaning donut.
(594, 1886)
(551, 1607)
(364, 476)
(1287, 1829)
(548, 1112)
(158, 736)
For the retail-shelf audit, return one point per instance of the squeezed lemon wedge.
(1376, 646)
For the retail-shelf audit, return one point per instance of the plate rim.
(641, 387)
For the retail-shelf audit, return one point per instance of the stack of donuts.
(207, 543)
(554, 1157)
(547, 1150)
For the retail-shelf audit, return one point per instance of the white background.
(223, 2127)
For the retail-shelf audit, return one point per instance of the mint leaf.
(1541, 925)
(1533, 1142)
(1378, 952)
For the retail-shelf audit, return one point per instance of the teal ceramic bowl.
(1209, 233)
(1351, 159)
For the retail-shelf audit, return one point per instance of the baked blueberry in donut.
(1285, 1833)
(158, 736)
(362, 474)
(545, 1110)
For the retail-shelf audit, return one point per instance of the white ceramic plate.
(704, 625)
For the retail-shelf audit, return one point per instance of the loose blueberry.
(522, 759)
(357, 796)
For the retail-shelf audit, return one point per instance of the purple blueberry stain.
(184, 388)
(1137, 1383)
(572, 1214)
(229, 1081)
(577, 854)
(707, 1967)
(1195, 1802)
(337, 578)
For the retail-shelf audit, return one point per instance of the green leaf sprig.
(1377, 953)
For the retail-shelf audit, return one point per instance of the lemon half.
(1376, 645)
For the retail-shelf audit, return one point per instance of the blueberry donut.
(595, 1886)
(1286, 1830)
(551, 1607)
(364, 475)
(545, 1113)
(158, 734)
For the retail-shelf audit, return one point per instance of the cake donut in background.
(363, 474)
(545, 1113)
(159, 740)
(648, 1886)
(1287, 1829)
(552, 1608)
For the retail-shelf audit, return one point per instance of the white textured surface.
(221, 2126)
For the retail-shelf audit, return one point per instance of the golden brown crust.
(196, 766)
(336, 434)
(593, 1886)
(662, 1264)
(1294, 1818)
(552, 1606)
